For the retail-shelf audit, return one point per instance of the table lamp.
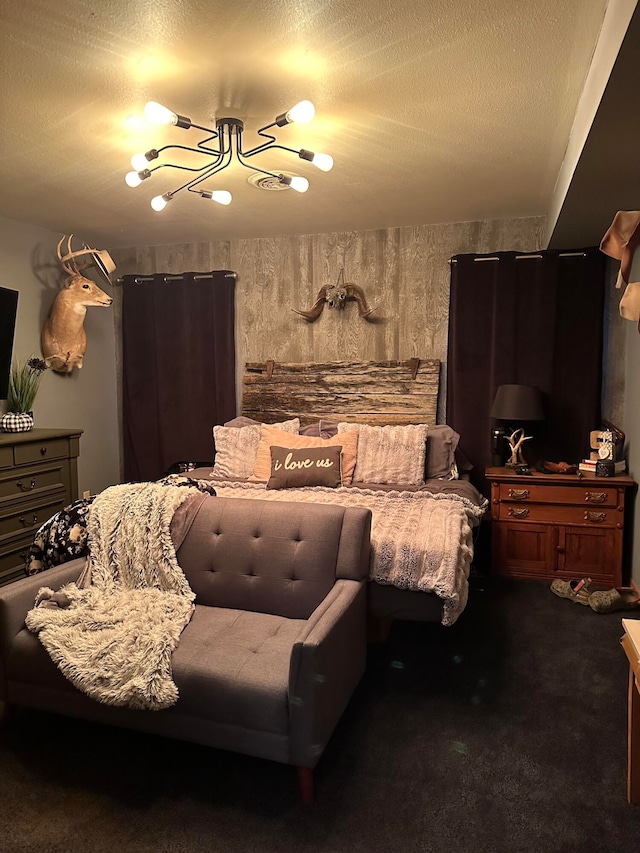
(517, 403)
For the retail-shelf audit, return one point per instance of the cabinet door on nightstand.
(589, 552)
(523, 549)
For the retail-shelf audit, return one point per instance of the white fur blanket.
(113, 640)
(420, 541)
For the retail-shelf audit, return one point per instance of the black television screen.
(8, 312)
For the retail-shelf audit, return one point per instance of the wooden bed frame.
(373, 392)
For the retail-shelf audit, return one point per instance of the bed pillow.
(270, 437)
(236, 448)
(442, 443)
(293, 468)
(324, 428)
(389, 454)
(241, 421)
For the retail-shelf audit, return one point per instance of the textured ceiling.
(436, 111)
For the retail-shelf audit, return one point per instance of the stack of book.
(589, 466)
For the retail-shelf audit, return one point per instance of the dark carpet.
(506, 732)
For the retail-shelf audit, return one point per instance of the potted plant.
(24, 382)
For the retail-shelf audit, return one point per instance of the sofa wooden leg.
(305, 780)
(378, 629)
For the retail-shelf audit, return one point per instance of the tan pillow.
(270, 437)
(442, 442)
(236, 448)
(389, 454)
(306, 466)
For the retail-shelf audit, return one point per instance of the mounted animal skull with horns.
(336, 296)
(63, 338)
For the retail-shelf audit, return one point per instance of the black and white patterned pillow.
(63, 537)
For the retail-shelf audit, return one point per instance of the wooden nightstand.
(559, 525)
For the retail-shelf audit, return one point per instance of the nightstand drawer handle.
(518, 512)
(518, 494)
(596, 497)
(24, 488)
(594, 516)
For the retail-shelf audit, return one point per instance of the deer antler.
(516, 440)
(67, 267)
(68, 262)
(315, 311)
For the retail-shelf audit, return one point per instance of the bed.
(352, 433)
(374, 423)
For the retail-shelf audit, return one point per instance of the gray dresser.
(38, 477)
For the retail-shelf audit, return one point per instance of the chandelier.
(219, 148)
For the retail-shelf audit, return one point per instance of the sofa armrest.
(17, 598)
(327, 662)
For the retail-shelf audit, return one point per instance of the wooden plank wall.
(404, 272)
(373, 392)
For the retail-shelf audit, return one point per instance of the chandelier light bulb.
(323, 162)
(302, 113)
(157, 114)
(159, 202)
(300, 185)
(132, 179)
(139, 162)
(221, 196)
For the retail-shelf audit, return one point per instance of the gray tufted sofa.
(273, 652)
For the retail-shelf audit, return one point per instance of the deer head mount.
(336, 296)
(63, 339)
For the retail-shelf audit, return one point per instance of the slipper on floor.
(613, 599)
(578, 591)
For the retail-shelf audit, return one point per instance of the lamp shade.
(518, 403)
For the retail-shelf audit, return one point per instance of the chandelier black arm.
(220, 151)
(255, 168)
(211, 130)
(187, 148)
(265, 145)
(183, 168)
(213, 170)
(270, 148)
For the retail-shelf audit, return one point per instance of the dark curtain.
(530, 320)
(178, 368)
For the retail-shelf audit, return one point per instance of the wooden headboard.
(373, 392)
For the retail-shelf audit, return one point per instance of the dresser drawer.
(585, 495)
(37, 451)
(6, 457)
(34, 484)
(13, 560)
(597, 516)
(28, 519)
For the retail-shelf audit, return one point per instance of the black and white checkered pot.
(16, 422)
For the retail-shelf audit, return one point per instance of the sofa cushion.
(232, 666)
(263, 559)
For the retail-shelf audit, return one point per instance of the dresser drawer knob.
(43, 451)
(594, 516)
(518, 494)
(518, 512)
(596, 497)
(24, 488)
